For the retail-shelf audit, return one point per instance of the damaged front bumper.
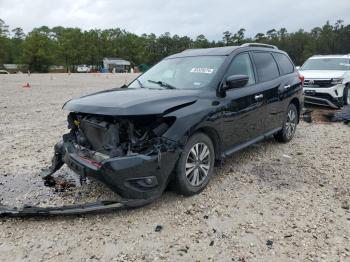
(129, 155)
(136, 176)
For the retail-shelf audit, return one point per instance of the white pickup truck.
(327, 80)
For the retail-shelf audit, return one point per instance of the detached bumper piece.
(102, 206)
(86, 208)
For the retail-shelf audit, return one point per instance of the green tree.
(5, 44)
(17, 39)
(37, 51)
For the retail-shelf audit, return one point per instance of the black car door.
(270, 84)
(243, 107)
(289, 83)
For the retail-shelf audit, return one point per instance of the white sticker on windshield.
(202, 70)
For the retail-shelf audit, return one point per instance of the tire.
(346, 95)
(202, 169)
(289, 125)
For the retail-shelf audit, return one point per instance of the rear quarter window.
(284, 63)
(266, 66)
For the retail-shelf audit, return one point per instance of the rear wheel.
(289, 125)
(346, 95)
(195, 166)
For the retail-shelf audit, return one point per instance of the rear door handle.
(259, 97)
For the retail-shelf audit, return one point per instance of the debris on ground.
(158, 228)
(61, 184)
(326, 115)
(345, 205)
(286, 156)
(269, 243)
(307, 116)
(317, 114)
(340, 116)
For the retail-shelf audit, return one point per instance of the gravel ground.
(270, 202)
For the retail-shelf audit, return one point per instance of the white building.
(120, 65)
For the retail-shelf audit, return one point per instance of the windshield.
(180, 73)
(327, 64)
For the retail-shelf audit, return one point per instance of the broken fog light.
(143, 183)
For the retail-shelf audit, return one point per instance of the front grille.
(318, 83)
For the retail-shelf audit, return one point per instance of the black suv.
(173, 122)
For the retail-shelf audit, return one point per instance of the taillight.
(301, 78)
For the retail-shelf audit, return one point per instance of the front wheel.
(289, 125)
(346, 95)
(195, 166)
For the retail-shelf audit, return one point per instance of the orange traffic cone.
(26, 85)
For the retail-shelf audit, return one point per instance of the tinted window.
(241, 65)
(285, 65)
(266, 66)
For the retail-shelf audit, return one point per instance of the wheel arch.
(213, 134)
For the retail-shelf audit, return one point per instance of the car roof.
(224, 51)
(215, 51)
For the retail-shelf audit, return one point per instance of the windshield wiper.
(162, 84)
(139, 82)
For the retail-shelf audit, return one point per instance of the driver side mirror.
(235, 81)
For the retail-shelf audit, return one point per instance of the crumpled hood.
(322, 74)
(130, 101)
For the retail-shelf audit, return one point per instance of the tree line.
(46, 46)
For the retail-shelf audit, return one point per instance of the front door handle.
(286, 86)
(259, 97)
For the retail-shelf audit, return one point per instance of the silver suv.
(327, 80)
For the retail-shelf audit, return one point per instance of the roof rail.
(259, 45)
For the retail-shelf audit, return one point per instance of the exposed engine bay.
(103, 137)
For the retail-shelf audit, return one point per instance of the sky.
(182, 17)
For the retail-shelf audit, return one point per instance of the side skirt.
(249, 143)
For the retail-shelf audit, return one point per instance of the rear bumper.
(132, 177)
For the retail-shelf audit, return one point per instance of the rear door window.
(266, 66)
(284, 63)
